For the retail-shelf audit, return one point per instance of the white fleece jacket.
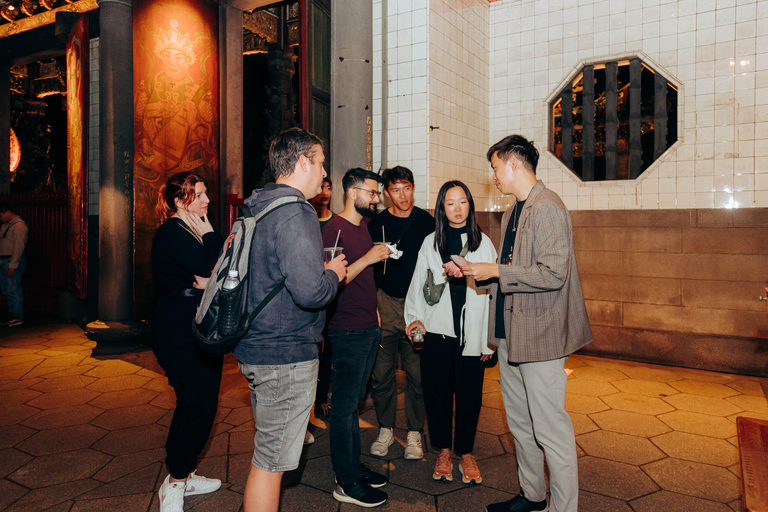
(438, 319)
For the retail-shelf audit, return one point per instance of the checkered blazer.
(543, 301)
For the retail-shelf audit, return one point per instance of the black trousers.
(195, 376)
(445, 375)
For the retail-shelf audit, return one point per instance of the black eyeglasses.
(372, 192)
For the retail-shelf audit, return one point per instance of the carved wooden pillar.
(611, 121)
(588, 125)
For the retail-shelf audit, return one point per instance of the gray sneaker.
(380, 446)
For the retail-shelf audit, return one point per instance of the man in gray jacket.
(537, 318)
(279, 354)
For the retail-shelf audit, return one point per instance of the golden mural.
(176, 122)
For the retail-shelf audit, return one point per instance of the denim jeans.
(354, 353)
(11, 286)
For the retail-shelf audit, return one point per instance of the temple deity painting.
(176, 121)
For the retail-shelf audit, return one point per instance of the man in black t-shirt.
(407, 225)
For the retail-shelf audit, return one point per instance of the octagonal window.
(613, 120)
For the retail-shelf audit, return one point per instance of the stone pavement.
(86, 434)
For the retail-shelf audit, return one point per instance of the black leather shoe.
(518, 504)
(360, 494)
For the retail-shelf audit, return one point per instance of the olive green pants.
(384, 393)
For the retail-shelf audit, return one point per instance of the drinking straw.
(384, 240)
(335, 245)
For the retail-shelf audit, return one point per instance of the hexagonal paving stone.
(619, 447)
(126, 464)
(119, 383)
(53, 498)
(11, 435)
(750, 403)
(583, 404)
(132, 440)
(10, 492)
(140, 481)
(590, 387)
(674, 502)
(646, 387)
(493, 400)
(63, 383)
(11, 459)
(113, 368)
(747, 387)
(15, 414)
(581, 423)
(68, 398)
(652, 373)
(630, 423)
(613, 479)
(710, 389)
(702, 424)
(603, 362)
(637, 403)
(64, 439)
(59, 468)
(234, 398)
(62, 417)
(595, 503)
(707, 376)
(133, 503)
(601, 374)
(132, 416)
(703, 404)
(19, 359)
(18, 396)
(492, 421)
(695, 479)
(53, 372)
(62, 359)
(707, 450)
(6, 385)
(127, 398)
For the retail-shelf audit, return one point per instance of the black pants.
(446, 374)
(325, 373)
(195, 376)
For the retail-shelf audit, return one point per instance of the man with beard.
(354, 332)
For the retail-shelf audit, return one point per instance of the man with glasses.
(354, 332)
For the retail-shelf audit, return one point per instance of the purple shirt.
(355, 305)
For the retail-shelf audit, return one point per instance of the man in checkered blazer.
(537, 318)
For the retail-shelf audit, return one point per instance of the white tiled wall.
(717, 49)
(458, 96)
(437, 70)
(406, 104)
(93, 131)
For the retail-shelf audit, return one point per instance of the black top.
(178, 256)
(324, 222)
(397, 279)
(456, 285)
(506, 258)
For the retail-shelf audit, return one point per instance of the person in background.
(322, 202)
(354, 332)
(537, 318)
(13, 240)
(407, 225)
(184, 251)
(455, 344)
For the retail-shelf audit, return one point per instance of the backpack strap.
(405, 229)
(266, 300)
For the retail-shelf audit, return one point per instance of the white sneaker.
(197, 484)
(381, 445)
(171, 496)
(413, 450)
(308, 437)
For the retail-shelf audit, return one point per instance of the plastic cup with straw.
(335, 245)
(383, 241)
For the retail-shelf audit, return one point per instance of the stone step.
(753, 447)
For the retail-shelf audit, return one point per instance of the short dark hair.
(395, 174)
(286, 148)
(4, 207)
(328, 181)
(356, 176)
(517, 146)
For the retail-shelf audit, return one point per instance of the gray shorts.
(281, 397)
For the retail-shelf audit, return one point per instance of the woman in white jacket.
(455, 343)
